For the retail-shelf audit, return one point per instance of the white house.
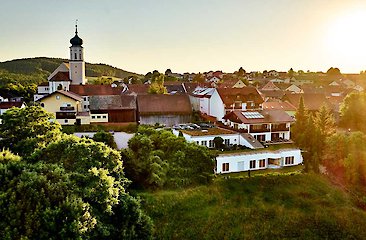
(268, 125)
(256, 160)
(206, 137)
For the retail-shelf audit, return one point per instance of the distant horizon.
(162, 71)
(192, 36)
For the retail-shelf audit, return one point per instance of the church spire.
(76, 27)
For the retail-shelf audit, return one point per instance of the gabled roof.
(269, 116)
(112, 102)
(63, 67)
(231, 95)
(138, 88)
(61, 76)
(312, 101)
(285, 106)
(270, 86)
(93, 90)
(7, 105)
(163, 104)
(232, 83)
(65, 93)
(272, 93)
(174, 87)
(190, 87)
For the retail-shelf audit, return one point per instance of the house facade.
(66, 106)
(265, 125)
(258, 160)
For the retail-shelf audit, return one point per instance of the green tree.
(299, 127)
(351, 115)
(105, 137)
(219, 142)
(157, 86)
(158, 159)
(291, 73)
(24, 130)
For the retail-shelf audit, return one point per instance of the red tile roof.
(139, 88)
(61, 76)
(230, 95)
(269, 116)
(286, 106)
(93, 90)
(312, 101)
(65, 93)
(162, 104)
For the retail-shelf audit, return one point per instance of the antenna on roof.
(76, 26)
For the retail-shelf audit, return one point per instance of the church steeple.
(77, 64)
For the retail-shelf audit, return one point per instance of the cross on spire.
(76, 26)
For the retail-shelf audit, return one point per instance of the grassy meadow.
(300, 206)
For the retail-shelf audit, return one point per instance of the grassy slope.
(272, 207)
(36, 70)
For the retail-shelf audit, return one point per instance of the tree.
(199, 78)
(157, 159)
(105, 137)
(24, 130)
(350, 114)
(97, 177)
(219, 142)
(241, 72)
(157, 86)
(325, 123)
(291, 73)
(168, 72)
(299, 127)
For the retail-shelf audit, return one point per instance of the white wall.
(217, 108)
(241, 161)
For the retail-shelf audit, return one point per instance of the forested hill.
(36, 70)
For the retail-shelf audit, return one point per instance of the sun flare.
(347, 38)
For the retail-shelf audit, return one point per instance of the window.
(104, 116)
(80, 56)
(204, 143)
(66, 121)
(84, 106)
(198, 143)
(225, 167)
(289, 160)
(211, 143)
(98, 116)
(75, 57)
(262, 163)
(227, 142)
(85, 98)
(252, 164)
(58, 97)
(93, 117)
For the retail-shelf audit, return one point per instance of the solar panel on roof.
(252, 115)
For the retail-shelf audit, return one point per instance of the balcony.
(279, 128)
(259, 128)
(69, 108)
(65, 115)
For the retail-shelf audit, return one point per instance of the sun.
(346, 37)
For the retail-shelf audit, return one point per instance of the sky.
(191, 35)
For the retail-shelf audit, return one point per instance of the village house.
(264, 125)
(163, 109)
(258, 160)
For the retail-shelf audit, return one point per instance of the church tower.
(77, 64)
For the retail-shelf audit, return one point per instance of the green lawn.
(300, 206)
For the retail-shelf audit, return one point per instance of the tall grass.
(272, 207)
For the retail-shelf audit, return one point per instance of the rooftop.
(208, 132)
